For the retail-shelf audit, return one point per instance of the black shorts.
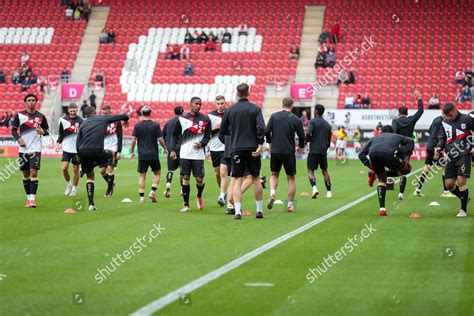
(30, 161)
(111, 162)
(92, 158)
(430, 157)
(144, 164)
(461, 166)
(315, 160)
(380, 161)
(172, 164)
(70, 157)
(242, 160)
(216, 157)
(194, 166)
(288, 161)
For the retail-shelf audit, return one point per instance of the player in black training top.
(281, 130)
(90, 146)
(68, 128)
(244, 122)
(147, 133)
(430, 160)
(33, 126)
(405, 125)
(172, 164)
(193, 130)
(387, 151)
(319, 138)
(456, 139)
(216, 147)
(112, 142)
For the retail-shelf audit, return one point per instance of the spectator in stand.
(335, 32)
(466, 95)
(468, 78)
(25, 58)
(92, 99)
(77, 14)
(86, 11)
(111, 36)
(459, 77)
(227, 37)
(243, 29)
(188, 38)
(2, 76)
(351, 79)
(83, 107)
(65, 75)
(127, 109)
(319, 61)
(212, 37)
(358, 102)
(294, 51)
(175, 53)
(330, 59)
(366, 102)
(210, 46)
(104, 37)
(184, 54)
(433, 102)
(139, 111)
(5, 119)
(349, 102)
(195, 37)
(188, 69)
(16, 76)
(343, 77)
(99, 77)
(168, 51)
(323, 49)
(43, 84)
(324, 36)
(25, 84)
(69, 13)
(203, 38)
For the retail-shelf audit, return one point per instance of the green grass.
(401, 269)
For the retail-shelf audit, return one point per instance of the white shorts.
(357, 145)
(340, 143)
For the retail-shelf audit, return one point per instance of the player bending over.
(386, 151)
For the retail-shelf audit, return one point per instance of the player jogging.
(217, 148)
(90, 146)
(356, 139)
(456, 139)
(172, 164)
(341, 143)
(194, 129)
(405, 125)
(244, 123)
(281, 130)
(68, 128)
(387, 151)
(147, 133)
(113, 143)
(319, 139)
(32, 125)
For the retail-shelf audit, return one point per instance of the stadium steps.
(328, 96)
(89, 45)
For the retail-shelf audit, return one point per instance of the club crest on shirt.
(111, 129)
(463, 126)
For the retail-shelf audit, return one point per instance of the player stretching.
(244, 123)
(390, 151)
(172, 164)
(405, 125)
(113, 143)
(455, 138)
(90, 146)
(68, 128)
(435, 128)
(147, 133)
(319, 139)
(33, 125)
(194, 129)
(281, 129)
(217, 148)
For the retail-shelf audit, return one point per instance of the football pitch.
(352, 262)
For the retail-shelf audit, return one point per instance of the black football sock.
(403, 184)
(200, 189)
(33, 186)
(141, 194)
(153, 187)
(456, 192)
(169, 177)
(106, 177)
(464, 197)
(421, 181)
(186, 189)
(90, 192)
(444, 184)
(26, 186)
(381, 191)
(312, 182)
(110, 182)
(328, 185)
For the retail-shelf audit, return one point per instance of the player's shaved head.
(319, 109)
(403, 110)
(243, 90)
(194, 99)
(178, 110)
(146, 111)
(287, 103)
(387, 129)
(90, 111)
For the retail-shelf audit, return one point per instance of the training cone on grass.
(126, 200)
(69, 211)
(246, 213)
(415, 215)
(304, 193)
(434, 204)
(278, 202)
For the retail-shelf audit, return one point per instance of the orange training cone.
(304, 193)
(246, 213)
(415, 215)
(69, 211)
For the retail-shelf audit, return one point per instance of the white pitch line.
(211, 276)
(259, 284)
